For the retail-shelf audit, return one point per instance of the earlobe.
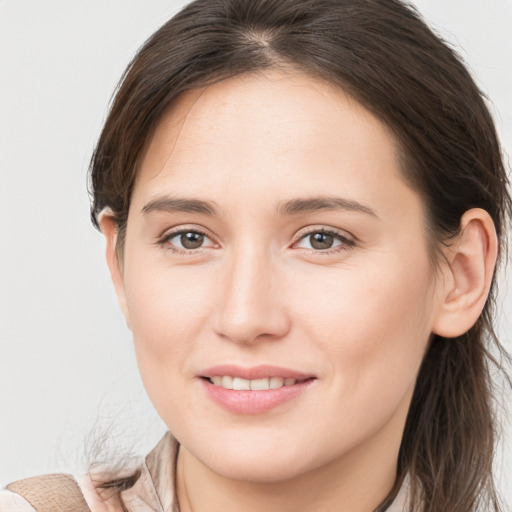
(109, 228)
(471, 260)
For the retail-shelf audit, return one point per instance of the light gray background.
(66, 361)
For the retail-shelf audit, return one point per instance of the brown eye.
(186, 240)
(321, 241)
(191, 240)
(324, 241)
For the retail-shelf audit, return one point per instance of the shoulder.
(146, 485)
(48, 493)
(400, 502)
(13, 502)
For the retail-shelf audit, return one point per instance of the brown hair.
(384, 55)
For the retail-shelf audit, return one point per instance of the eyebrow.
(176, 204)
(286, 208)
(322, 203)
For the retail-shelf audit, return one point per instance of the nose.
(251, 303)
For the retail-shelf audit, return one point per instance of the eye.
(323, 240)
(186, 240)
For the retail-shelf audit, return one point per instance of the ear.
(468, 275)
(108, 227)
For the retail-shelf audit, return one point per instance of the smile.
(239, 384)
(254, 390)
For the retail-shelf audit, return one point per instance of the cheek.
(373, 324)
(168, 308)
(167, 314)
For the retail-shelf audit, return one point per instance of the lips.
(253, 390)
(255, 372)
(239, 384)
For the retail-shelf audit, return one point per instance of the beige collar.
(154, 489)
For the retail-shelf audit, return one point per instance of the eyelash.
(346, 242)
(166, 238)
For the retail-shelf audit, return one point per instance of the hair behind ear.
(448, 443)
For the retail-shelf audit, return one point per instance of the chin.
(267, 470)
(255, 458)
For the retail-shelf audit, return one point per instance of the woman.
(304, 203)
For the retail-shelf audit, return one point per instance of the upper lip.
(254, 372)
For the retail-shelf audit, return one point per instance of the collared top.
(152, 492)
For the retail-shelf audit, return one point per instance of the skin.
(358, 316)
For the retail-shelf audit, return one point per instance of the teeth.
(239, 384)
(276, 382)
(227, 382)
(259, 384)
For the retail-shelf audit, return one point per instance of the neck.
(357, 481)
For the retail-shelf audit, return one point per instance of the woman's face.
(271, 237)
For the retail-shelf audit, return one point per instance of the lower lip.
(254, 402)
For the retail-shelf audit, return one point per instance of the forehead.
(274, 132)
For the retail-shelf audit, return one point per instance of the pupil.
(321, 241)
(192, 240)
